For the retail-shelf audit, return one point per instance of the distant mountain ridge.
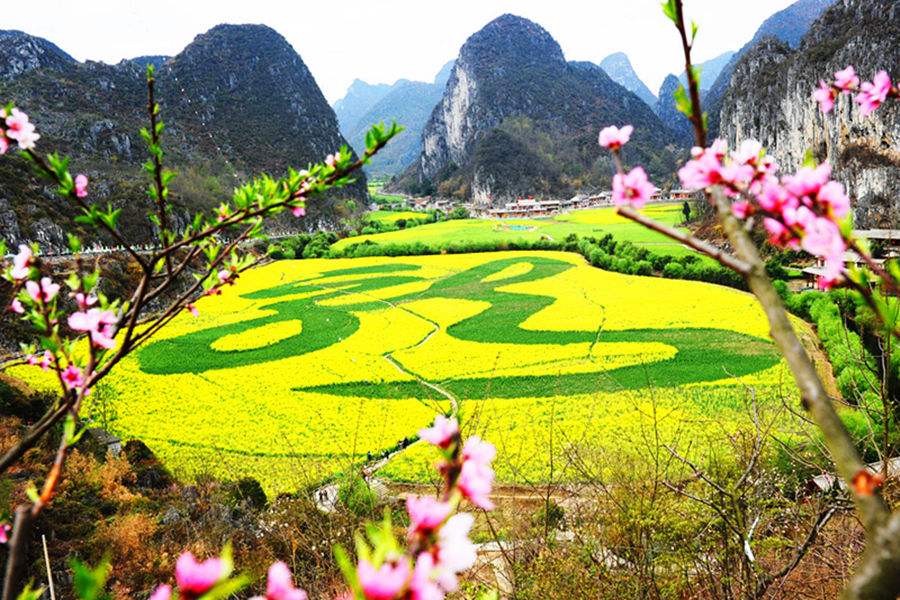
(709, 70)
(516, 118)
(619, 68)
(408, 102)
(237, 101)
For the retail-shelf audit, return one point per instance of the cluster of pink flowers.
(43, 292)
(747, 169)
(43, 361)
(803, 210)
(632, 188)
(17, 128)
(99, 324)
(869, 95)
(439, 543)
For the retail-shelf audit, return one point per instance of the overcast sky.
(337, 40)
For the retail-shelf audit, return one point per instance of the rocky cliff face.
(788, 26)
(20, 53)
(408, 102)
(237, 101)
(770, 100)
(511, 88)
(619, 68)
(665, 109)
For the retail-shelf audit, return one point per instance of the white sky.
(337, 40)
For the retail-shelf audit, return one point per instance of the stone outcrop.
(788, 26)
(237, 101)
(516, 118)
(770, 100)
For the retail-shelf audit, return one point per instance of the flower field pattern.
(313, 364)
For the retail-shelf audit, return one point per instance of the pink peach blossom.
(741, 209)
(45, 292)
(613, 138)
(703, 171)
(193, 310)
(873, 94)
(846, 79)
(456, 552)
(100, 324)
(16, 306)
(384, 583)
(22, 263)
(20, 129)
(298, 211)
(85, 301)
(832, 197)
(195, 577)
(73, 377)
(476, 477)
(807, 180)
(162, 592)
(634, 188)
(280, 584)
(4, 144)
(423, 586)
(81, 184)
(825, 96)
(426, 513)
(442, 433)
(5, 530)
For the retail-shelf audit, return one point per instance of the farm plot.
(305, 367)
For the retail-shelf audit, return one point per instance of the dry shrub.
(127, 539)
(111, 477)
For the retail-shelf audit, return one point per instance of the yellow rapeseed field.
(305, 367)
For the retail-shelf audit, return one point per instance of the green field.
(391, 216)
(584, 223)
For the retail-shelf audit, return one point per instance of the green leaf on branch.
(670, 11)
(694, 29)
(90, 216)
(110, 218)
(682, 102)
